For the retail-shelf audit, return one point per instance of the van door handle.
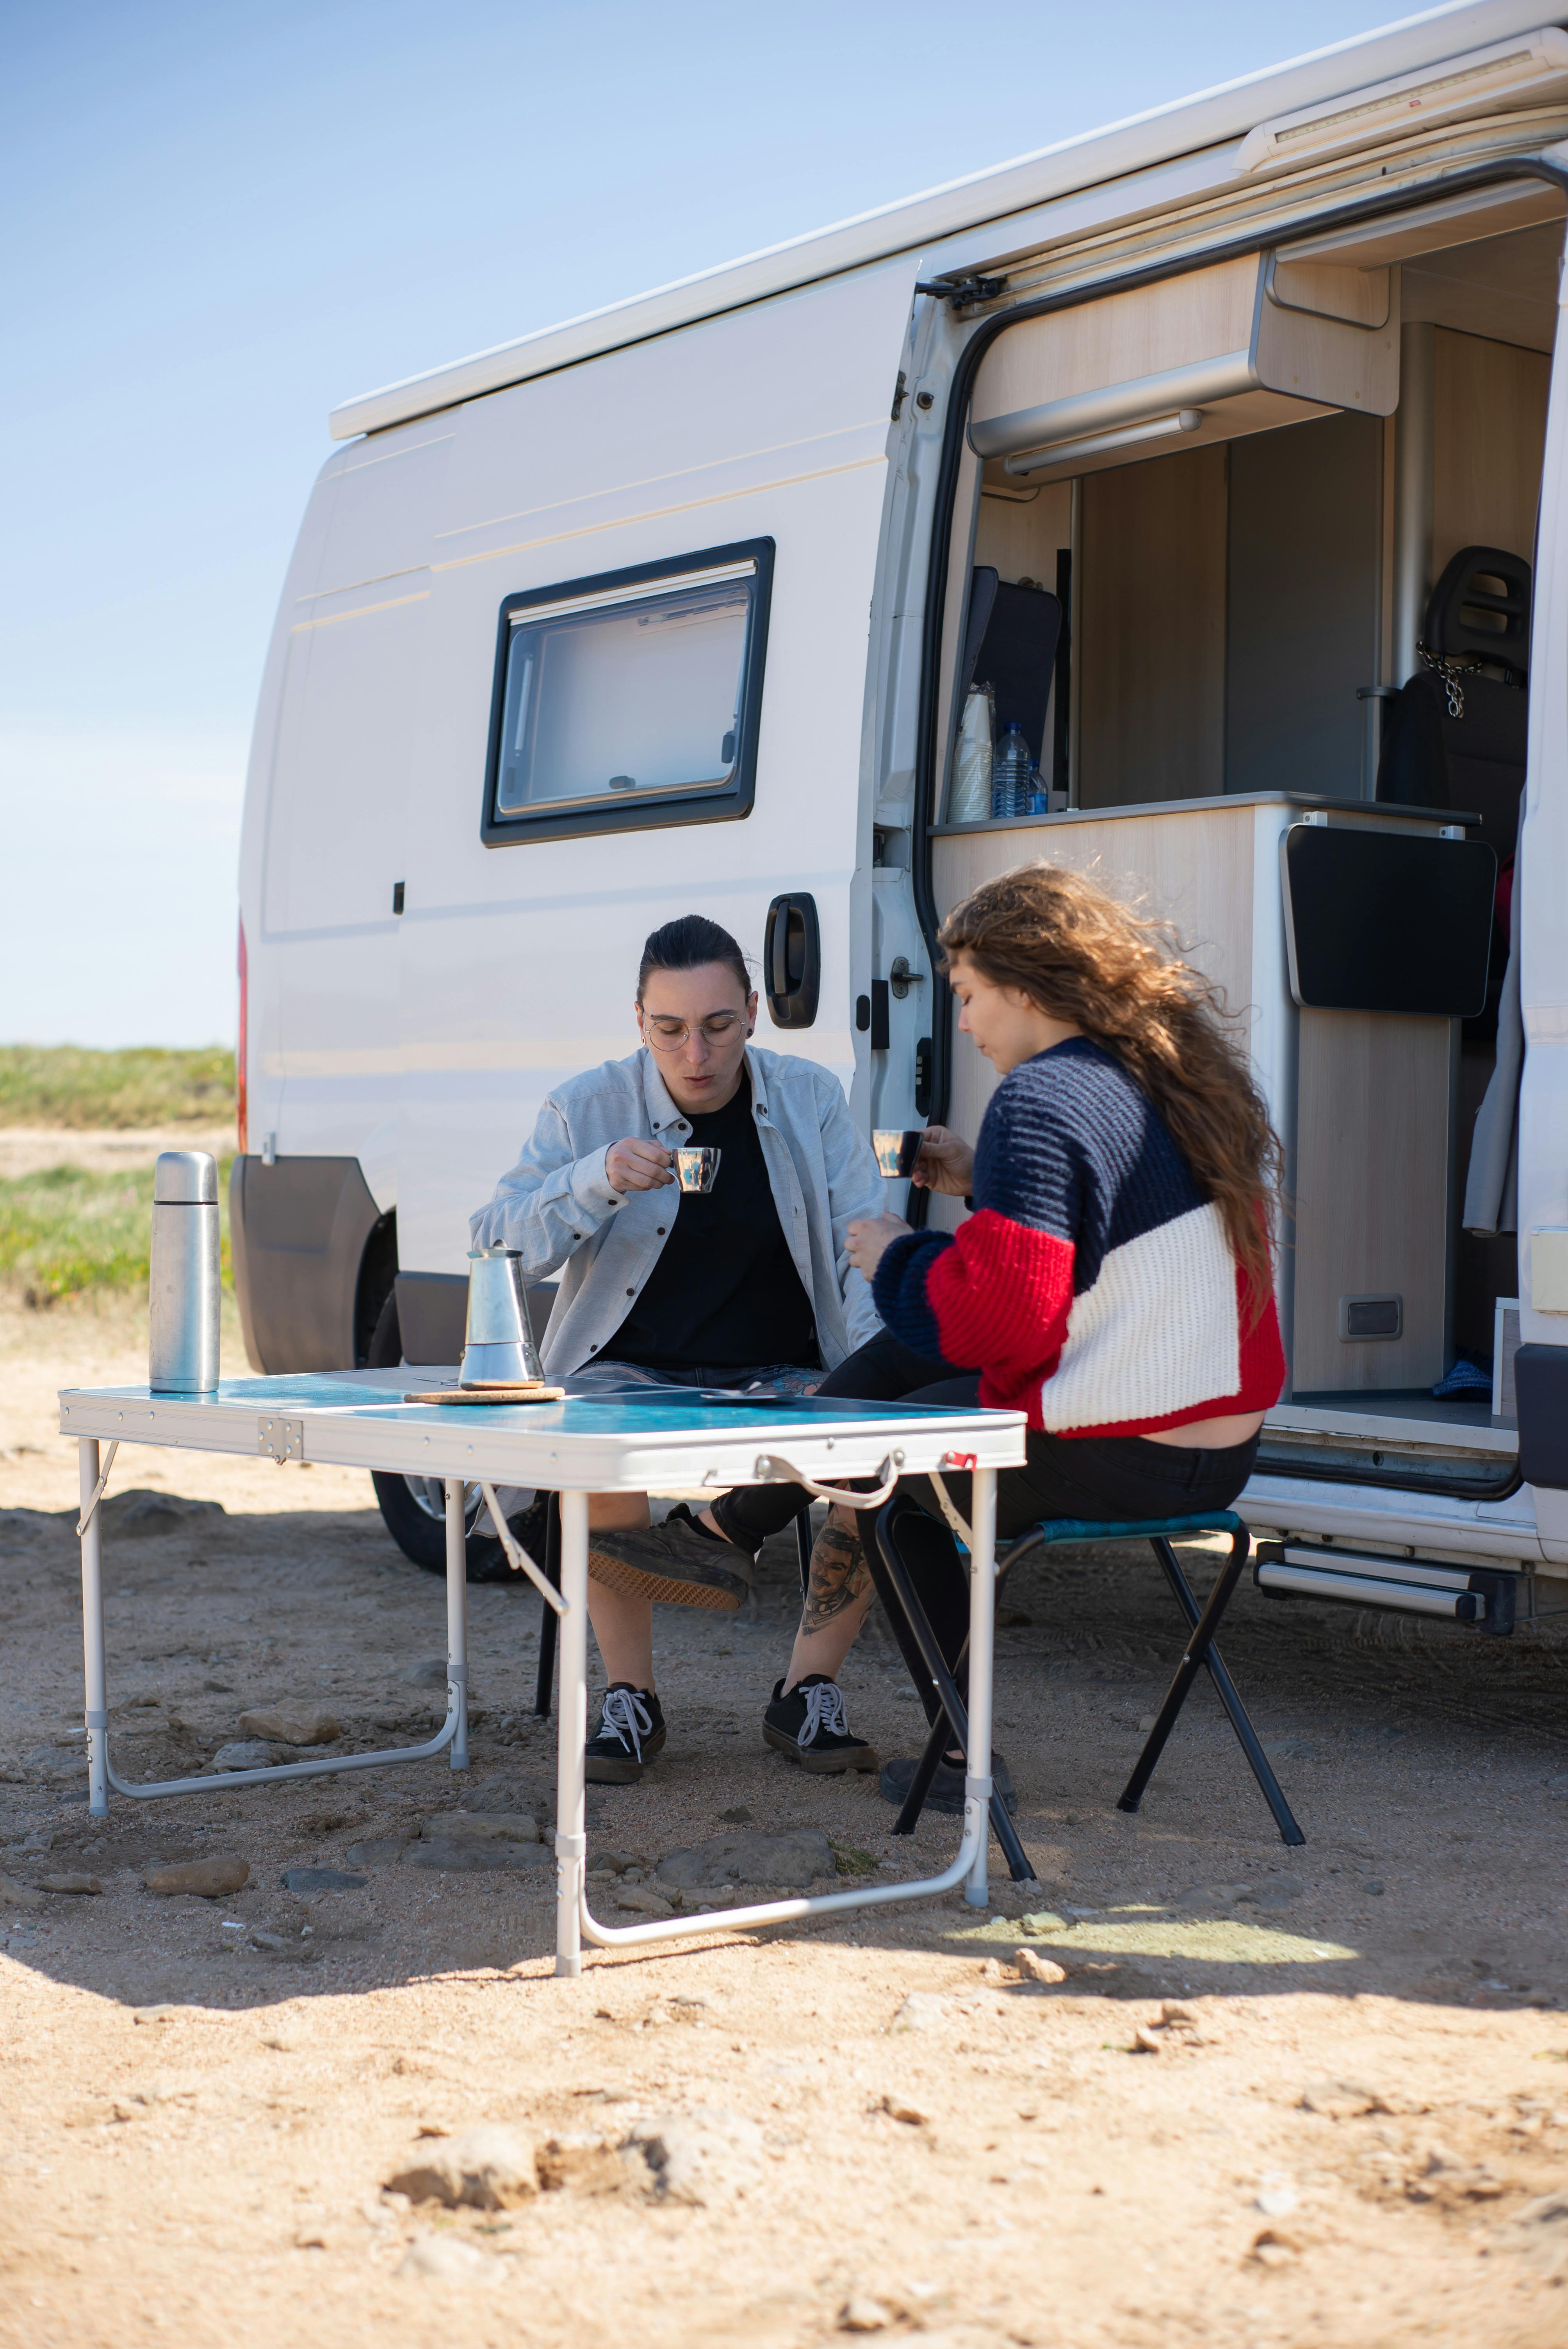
(792, 960)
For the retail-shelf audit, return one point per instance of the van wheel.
(414, 1508)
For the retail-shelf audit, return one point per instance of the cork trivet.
(492, 1393)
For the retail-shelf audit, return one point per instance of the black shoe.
(677, 1561)
(947, 1787)
(631, 1732)
(808, 1725)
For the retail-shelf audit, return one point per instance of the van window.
(629, 700)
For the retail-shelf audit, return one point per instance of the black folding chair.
(550, 1562)
(949, 1721)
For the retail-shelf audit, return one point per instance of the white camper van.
(1219, 455)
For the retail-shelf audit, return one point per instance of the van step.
(1414, 1586)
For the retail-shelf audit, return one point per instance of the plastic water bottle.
(1010, 774)
(1039, 796)
(971, 799)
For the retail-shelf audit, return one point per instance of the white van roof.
(1137, 144)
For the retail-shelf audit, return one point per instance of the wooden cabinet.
(1360, 1100)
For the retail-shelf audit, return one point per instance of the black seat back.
(1454, 736)
(1010, 643)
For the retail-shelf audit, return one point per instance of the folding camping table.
(655, 1440)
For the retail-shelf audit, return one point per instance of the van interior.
(1249, 549)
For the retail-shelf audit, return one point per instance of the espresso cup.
(696, 1169)
(896, 1152)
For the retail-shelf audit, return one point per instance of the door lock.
(901, 978)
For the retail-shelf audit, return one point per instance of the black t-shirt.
(725, 1293)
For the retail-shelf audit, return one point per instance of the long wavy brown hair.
(1120, 976)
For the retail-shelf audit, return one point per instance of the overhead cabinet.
(1244, 347)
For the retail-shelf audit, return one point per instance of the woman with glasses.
(749, 1281)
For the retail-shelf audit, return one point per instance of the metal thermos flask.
(183, 1287)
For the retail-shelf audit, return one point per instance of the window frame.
(692, 804)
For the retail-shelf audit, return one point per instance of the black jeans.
(1107, 1480)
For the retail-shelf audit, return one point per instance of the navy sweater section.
(1070, 1144)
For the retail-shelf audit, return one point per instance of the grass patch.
(68, 1229)
(848, 1860)
(67, 1085)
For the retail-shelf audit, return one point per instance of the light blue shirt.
(556, 1208)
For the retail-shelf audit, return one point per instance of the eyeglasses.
(669, 1035)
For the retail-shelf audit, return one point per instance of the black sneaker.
(678, 1562)
(631, 1732)
(947, 1786)
(808, 1725)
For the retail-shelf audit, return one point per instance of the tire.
(413, 1508)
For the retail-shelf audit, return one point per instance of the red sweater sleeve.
(1001, 1296)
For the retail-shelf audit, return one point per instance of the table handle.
(772, 1470)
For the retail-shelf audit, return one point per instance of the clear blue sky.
(220, 220)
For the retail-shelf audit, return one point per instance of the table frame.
(102, 1774)
(513, 1445)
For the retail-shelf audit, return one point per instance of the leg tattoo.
(839, 1578)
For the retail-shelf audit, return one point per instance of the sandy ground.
(104, 1150)
(1281, 2097)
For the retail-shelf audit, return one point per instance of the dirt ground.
(1280, 2098)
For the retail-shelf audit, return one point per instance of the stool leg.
(920, 1784)
(803, 1549)
(550, 1562)
(1199, 1653)
(952, 1715)
(1225, 1688)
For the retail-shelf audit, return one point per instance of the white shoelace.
(627, 1718)
(824, 1709)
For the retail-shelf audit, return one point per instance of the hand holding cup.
(637, 1165)
(945, 1163)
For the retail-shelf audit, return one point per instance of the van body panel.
(754, 403)
(771, 423)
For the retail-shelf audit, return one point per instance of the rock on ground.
(923, 2010)
(472, 1855)
(491, 2168)
(710, 2157)
(208, 1880)
(292, 1724)
(795, 1858)
(499, 1827)
(442, 2259)
(249, 1753)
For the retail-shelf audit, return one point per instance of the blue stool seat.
(1199, 1654)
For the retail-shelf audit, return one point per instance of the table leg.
(458, 1621)
(982, 1655)
(571, 1718)
(94, 1676)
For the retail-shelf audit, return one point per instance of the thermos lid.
(185, 1178)
(479, 1256)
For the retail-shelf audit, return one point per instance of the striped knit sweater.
(1094, 1286)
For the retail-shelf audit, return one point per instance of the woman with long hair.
(1113, 1281)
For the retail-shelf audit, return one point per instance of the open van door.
(1541, 1366)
